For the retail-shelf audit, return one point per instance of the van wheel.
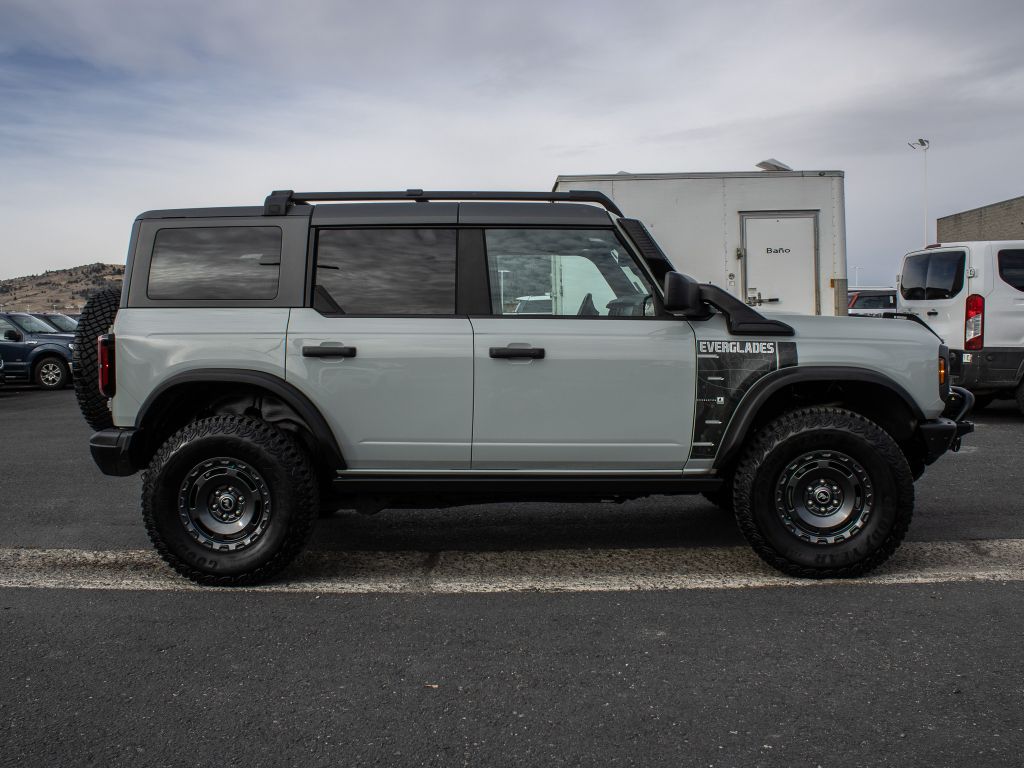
(229, 501)
(51, 373)
(97, 317)
(824, 493)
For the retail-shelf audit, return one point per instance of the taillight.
(974, 322)
(105, 357)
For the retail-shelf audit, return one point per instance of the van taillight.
(974, 322)
(105, 357)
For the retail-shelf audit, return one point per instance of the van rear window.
(936, 275)
(1011, 268)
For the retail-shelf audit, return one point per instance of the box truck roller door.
(781, 261)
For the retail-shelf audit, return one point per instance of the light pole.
(923, 145)
(856, 276)
(501, 289)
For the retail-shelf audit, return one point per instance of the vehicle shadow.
(651, 523)
(998, 412)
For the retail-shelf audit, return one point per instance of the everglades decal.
(726, 370)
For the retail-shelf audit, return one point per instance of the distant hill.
(64, 289)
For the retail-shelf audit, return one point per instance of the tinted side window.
(215, 263)
(564, 273)
(1011, 268)
(929, 276)
(385, 272)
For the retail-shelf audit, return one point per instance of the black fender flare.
(288, 393)
(758, 394)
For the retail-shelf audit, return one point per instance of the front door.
(781, 262)
(14, 353)
(572, 370)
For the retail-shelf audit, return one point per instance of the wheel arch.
(185, 396)
(47, 350)
(863, 391)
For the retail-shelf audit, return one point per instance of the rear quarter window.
(931, 276)
(215, 264)
(1011, 268)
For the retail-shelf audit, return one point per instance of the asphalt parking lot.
(526, 634)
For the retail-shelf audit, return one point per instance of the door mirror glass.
(12, 336)
(682, 296)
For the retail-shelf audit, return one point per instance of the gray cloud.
(109, 108)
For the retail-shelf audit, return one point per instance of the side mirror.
(12, 336)
(682, 296)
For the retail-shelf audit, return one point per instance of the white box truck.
(776, 239)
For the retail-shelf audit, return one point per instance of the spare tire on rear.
(97, 317)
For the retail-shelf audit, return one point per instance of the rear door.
(597, 383)
(933, 287)
(381, 350)
(781, 261)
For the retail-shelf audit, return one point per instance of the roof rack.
(277, 202)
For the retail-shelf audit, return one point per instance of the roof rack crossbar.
(278, 201)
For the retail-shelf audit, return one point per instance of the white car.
(972, 295)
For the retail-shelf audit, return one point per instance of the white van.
(972, 295)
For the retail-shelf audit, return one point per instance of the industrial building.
(998, 221)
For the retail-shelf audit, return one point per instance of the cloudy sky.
(111, 107)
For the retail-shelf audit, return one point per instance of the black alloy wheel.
(824, 493)
(229, 500)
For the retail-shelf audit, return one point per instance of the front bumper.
(112, 451)
(945, 433)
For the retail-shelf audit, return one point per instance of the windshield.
(31, 324)
(60, 322)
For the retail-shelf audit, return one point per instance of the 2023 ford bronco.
(364, 350)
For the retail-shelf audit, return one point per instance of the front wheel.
(52, 373)
(229, 500)
(824, 493)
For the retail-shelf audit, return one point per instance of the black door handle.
(327, 350)
(533, 353)
(932, 312)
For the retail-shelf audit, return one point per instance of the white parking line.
(452, 572)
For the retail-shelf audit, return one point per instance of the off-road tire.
(264, 451)
(96, 319)
(51, 372)
(762, 506)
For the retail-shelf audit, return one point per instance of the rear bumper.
(992, 369)
(944, 433)
(112, 451)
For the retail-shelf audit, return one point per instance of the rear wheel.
(229, 501)
(52, 373)
(824, 493)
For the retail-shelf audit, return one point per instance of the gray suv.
(367, 350)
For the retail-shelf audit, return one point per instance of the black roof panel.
(382, 214)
